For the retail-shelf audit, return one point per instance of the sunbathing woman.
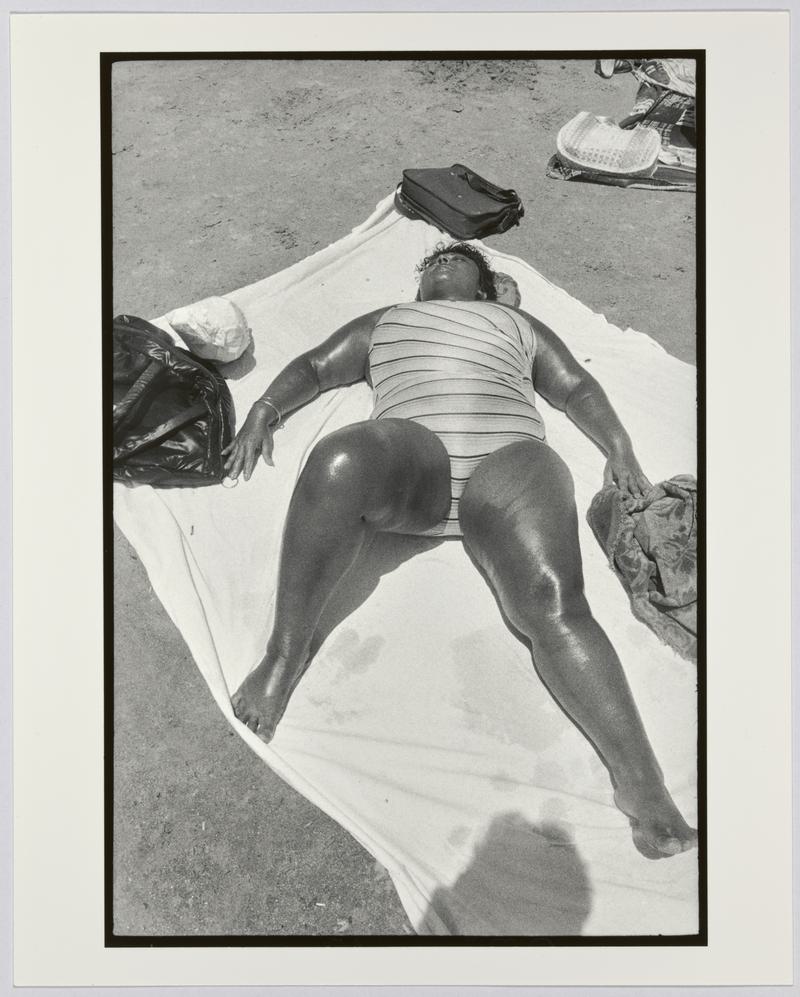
(456, 447)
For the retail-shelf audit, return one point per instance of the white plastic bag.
(214, 329)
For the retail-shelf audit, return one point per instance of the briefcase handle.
(483, 186)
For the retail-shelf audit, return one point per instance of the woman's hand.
(254, 438)
(623, 470)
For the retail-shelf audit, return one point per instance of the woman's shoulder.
(397, 305)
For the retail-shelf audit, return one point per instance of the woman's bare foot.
(659, 830)
(260, 701)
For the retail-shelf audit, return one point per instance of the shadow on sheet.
(385, 553)
(524, 880)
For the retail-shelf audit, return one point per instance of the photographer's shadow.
(524, 880)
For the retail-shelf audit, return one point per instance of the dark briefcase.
(173, 413)
(458, 201)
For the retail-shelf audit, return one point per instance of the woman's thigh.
(394, 473)
(520, 524)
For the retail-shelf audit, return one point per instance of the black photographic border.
(107, 61)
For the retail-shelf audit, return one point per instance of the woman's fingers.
(640, 486)
(231, 459)
(628, 477)
(250, 461)
(243, 455)
(230, 463)
(266, 449)
(237, 461)
(234, 466)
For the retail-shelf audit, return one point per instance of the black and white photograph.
(401, 554)
(401, 358)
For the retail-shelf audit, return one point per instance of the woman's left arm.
(560, 380)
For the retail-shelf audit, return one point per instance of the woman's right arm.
(341, 359)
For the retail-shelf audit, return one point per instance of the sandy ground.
(225, 172)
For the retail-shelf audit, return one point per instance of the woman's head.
(456, 270)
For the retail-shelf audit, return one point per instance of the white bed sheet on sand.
(421, 725)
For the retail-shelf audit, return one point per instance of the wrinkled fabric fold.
(651, 545)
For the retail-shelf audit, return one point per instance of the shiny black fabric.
(173, 413)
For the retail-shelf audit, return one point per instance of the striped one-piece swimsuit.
(463, 370)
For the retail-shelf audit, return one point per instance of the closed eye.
(448, 260)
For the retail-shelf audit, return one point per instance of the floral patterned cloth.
(666, 97)
(652, 547)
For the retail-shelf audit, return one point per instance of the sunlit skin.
(393, 475)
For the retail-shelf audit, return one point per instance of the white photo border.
(58, 917)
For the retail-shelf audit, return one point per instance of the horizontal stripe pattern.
(463, 370)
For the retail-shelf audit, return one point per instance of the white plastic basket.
(588, 142)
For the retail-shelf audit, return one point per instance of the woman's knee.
(543, 601)
(520, 524)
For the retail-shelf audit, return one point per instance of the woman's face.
(450, 275)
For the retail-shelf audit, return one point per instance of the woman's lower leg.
(320, 545)
(354, 484)
(520, 524)
(580, 667)
(578, 664)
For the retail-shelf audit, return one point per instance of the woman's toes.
(644, 845)
(669, 846)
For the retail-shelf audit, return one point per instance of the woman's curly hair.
(487, 275)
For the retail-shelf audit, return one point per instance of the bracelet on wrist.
(273, 406)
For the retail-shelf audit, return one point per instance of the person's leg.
(520, 524)
(387, 475)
